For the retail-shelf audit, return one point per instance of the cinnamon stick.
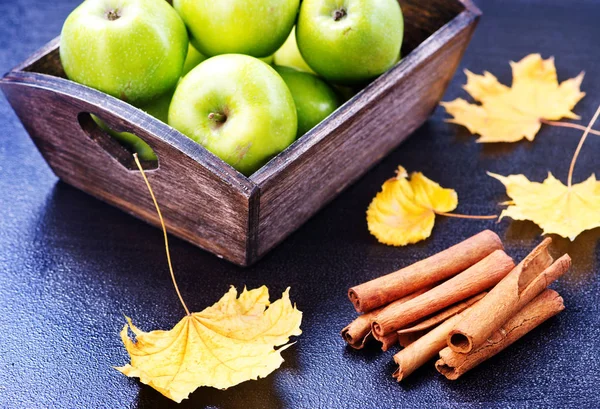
(407, 338)
(383, 290)
(358, 332)
(518, 288)
(423, 349)
(442, 316)
(453, 364)
(417, 352)
(388, 341)
(477, 278)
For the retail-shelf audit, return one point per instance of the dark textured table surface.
(71, 266)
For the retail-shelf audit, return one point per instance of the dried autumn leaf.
(226, 344)
(404, 211)
(556, 208)
(511, 114)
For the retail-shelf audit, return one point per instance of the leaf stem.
(581, 141)
(568, 125)
(467, 216)
(164, 229)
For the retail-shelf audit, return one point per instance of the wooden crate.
(204, 200)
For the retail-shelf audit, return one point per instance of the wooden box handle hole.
(119, 145)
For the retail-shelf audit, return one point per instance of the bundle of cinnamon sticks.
(466, 303)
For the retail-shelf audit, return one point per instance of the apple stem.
(217, 117)
(113, 14)
(339, 14)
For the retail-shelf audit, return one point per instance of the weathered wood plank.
(298, 182)
(203, 200)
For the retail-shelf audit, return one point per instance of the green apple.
(130, 49)
(351, 41)
(256, 28)
(314, 99)
(238, 108)
(194, 57)
(268, 59)
(130, 141)
(158, 108)
(346, 92)
(289, 55)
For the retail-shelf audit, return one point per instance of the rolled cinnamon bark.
(477, 278)
(442, 316)
(357, 333)
(383, 290)
(518, 288)
(423, 349)
(418, 351)
(453, 364)
(410, 335)
(407, 338)
(388, 341)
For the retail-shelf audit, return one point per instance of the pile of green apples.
(242, 78)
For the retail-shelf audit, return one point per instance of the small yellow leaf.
(226, 344)
(404, 211)
(511, 114)
(556, 208)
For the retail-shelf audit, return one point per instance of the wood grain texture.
(71, 266)
(299, 181)
(46, 60)
(110, 145)
(203, 200)
(421, 19)
(208, 203)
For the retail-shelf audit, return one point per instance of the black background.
(71, 266)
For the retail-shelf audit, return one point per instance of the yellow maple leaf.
(226, 344)
(511, 114)
(404, 211)
(556, 208)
